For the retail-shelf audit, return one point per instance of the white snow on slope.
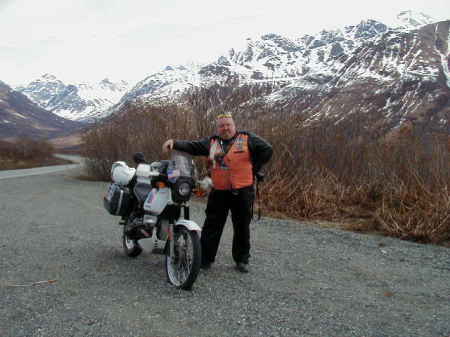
(412, 19)
(81, 102)
(446, 61)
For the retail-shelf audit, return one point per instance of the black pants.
(240, 203)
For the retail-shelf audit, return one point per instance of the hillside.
(20, 117)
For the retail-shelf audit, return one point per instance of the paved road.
(305, 281)
(7, 174)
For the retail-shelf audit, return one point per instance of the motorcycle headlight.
(184, 189)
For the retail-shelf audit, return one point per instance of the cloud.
(98, 38)
(4, 3)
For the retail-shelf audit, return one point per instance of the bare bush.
(399, 186)
(414, 212)
(139, 129)
(25, 152)
(26, 149)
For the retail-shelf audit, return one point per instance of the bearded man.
(236, 158)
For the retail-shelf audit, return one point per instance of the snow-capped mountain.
(20, 117)
(398, 75)
(273, 58)
(396, 71)
(411, 19)
(84, 102)
(163, 86)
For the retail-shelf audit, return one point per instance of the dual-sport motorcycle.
(150, 199)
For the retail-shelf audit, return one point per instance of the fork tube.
(186, 212)
(171, 243)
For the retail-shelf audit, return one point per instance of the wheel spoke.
(180, 268)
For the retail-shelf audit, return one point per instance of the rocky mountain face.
(392, 77)
(396, 73)
(83, 102)
(20, 117)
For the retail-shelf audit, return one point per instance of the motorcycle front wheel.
(131, 247)
(183, 267)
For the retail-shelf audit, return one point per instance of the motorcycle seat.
(143, 182)
(143, 171)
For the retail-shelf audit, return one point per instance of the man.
(235, 158)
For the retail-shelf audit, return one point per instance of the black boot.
(242, 267)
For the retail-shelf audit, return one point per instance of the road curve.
(8, 174)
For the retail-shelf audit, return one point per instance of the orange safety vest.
(236, 169)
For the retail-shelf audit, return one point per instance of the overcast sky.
(88, 40)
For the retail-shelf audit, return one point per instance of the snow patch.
(413, 20)
(446, 61)
(18, 115)
(445, 57)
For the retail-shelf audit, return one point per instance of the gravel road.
(304, 281)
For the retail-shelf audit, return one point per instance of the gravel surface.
(304, 280)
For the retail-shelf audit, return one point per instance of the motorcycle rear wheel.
(131, 247)
(182, 269)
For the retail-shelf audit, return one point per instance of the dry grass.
(399, 188)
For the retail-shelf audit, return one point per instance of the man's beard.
(227, 135)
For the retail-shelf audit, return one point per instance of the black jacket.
(260, 150)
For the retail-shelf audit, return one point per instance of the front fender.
(189, 224)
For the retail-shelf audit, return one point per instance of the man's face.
(226, 128)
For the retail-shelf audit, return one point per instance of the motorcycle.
(150, 199)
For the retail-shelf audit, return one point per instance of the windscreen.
(181, 165)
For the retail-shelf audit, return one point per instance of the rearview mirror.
(139, 158)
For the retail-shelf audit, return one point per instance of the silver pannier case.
(117, 199)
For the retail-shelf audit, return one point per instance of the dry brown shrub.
(139, 129)
(399, 187)
(28, 149)
(24, 152)
(415, 212)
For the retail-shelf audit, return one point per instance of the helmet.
(121, 173)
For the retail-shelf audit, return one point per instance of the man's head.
(225, 126)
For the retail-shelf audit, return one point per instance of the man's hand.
(168, 145)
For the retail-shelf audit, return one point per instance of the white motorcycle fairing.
(157, 200)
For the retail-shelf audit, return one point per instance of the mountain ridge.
(20, 117)
(85, 102)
